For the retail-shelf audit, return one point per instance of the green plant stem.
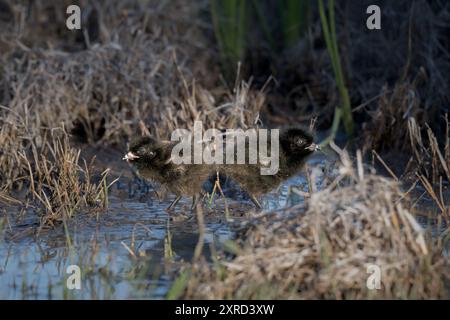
(334, 127)
(329, 31)
(229, 21)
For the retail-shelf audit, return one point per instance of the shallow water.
(34, 266)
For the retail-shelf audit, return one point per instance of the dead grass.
(130, 72)
(322, 249)
(388, 126)
(395, 124)
(11, 165)
(239, 108)
(60, 184)
(418, 49)
(431, 161)
(143, 66)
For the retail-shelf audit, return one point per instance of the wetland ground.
(377, 195)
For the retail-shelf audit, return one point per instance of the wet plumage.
(296, 145)
(152, 160)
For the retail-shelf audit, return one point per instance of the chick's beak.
(130, 156)
(313, 147)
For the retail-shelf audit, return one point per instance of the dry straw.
(321, 249)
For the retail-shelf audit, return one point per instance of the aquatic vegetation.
(330, 35)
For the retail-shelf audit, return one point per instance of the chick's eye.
(145, 152)
(299, 142)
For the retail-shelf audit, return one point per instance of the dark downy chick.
(152, 160)
(296, 145)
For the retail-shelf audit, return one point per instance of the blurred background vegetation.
(278, 38)
(282, 26)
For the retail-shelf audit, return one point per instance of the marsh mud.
(132, 249)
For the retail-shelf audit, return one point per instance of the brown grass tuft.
(60, 184)
(322, 249)
(431, 158)
(388, 126)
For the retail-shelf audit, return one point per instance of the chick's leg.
(195, 199)
(174, 202)
(255, 201)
